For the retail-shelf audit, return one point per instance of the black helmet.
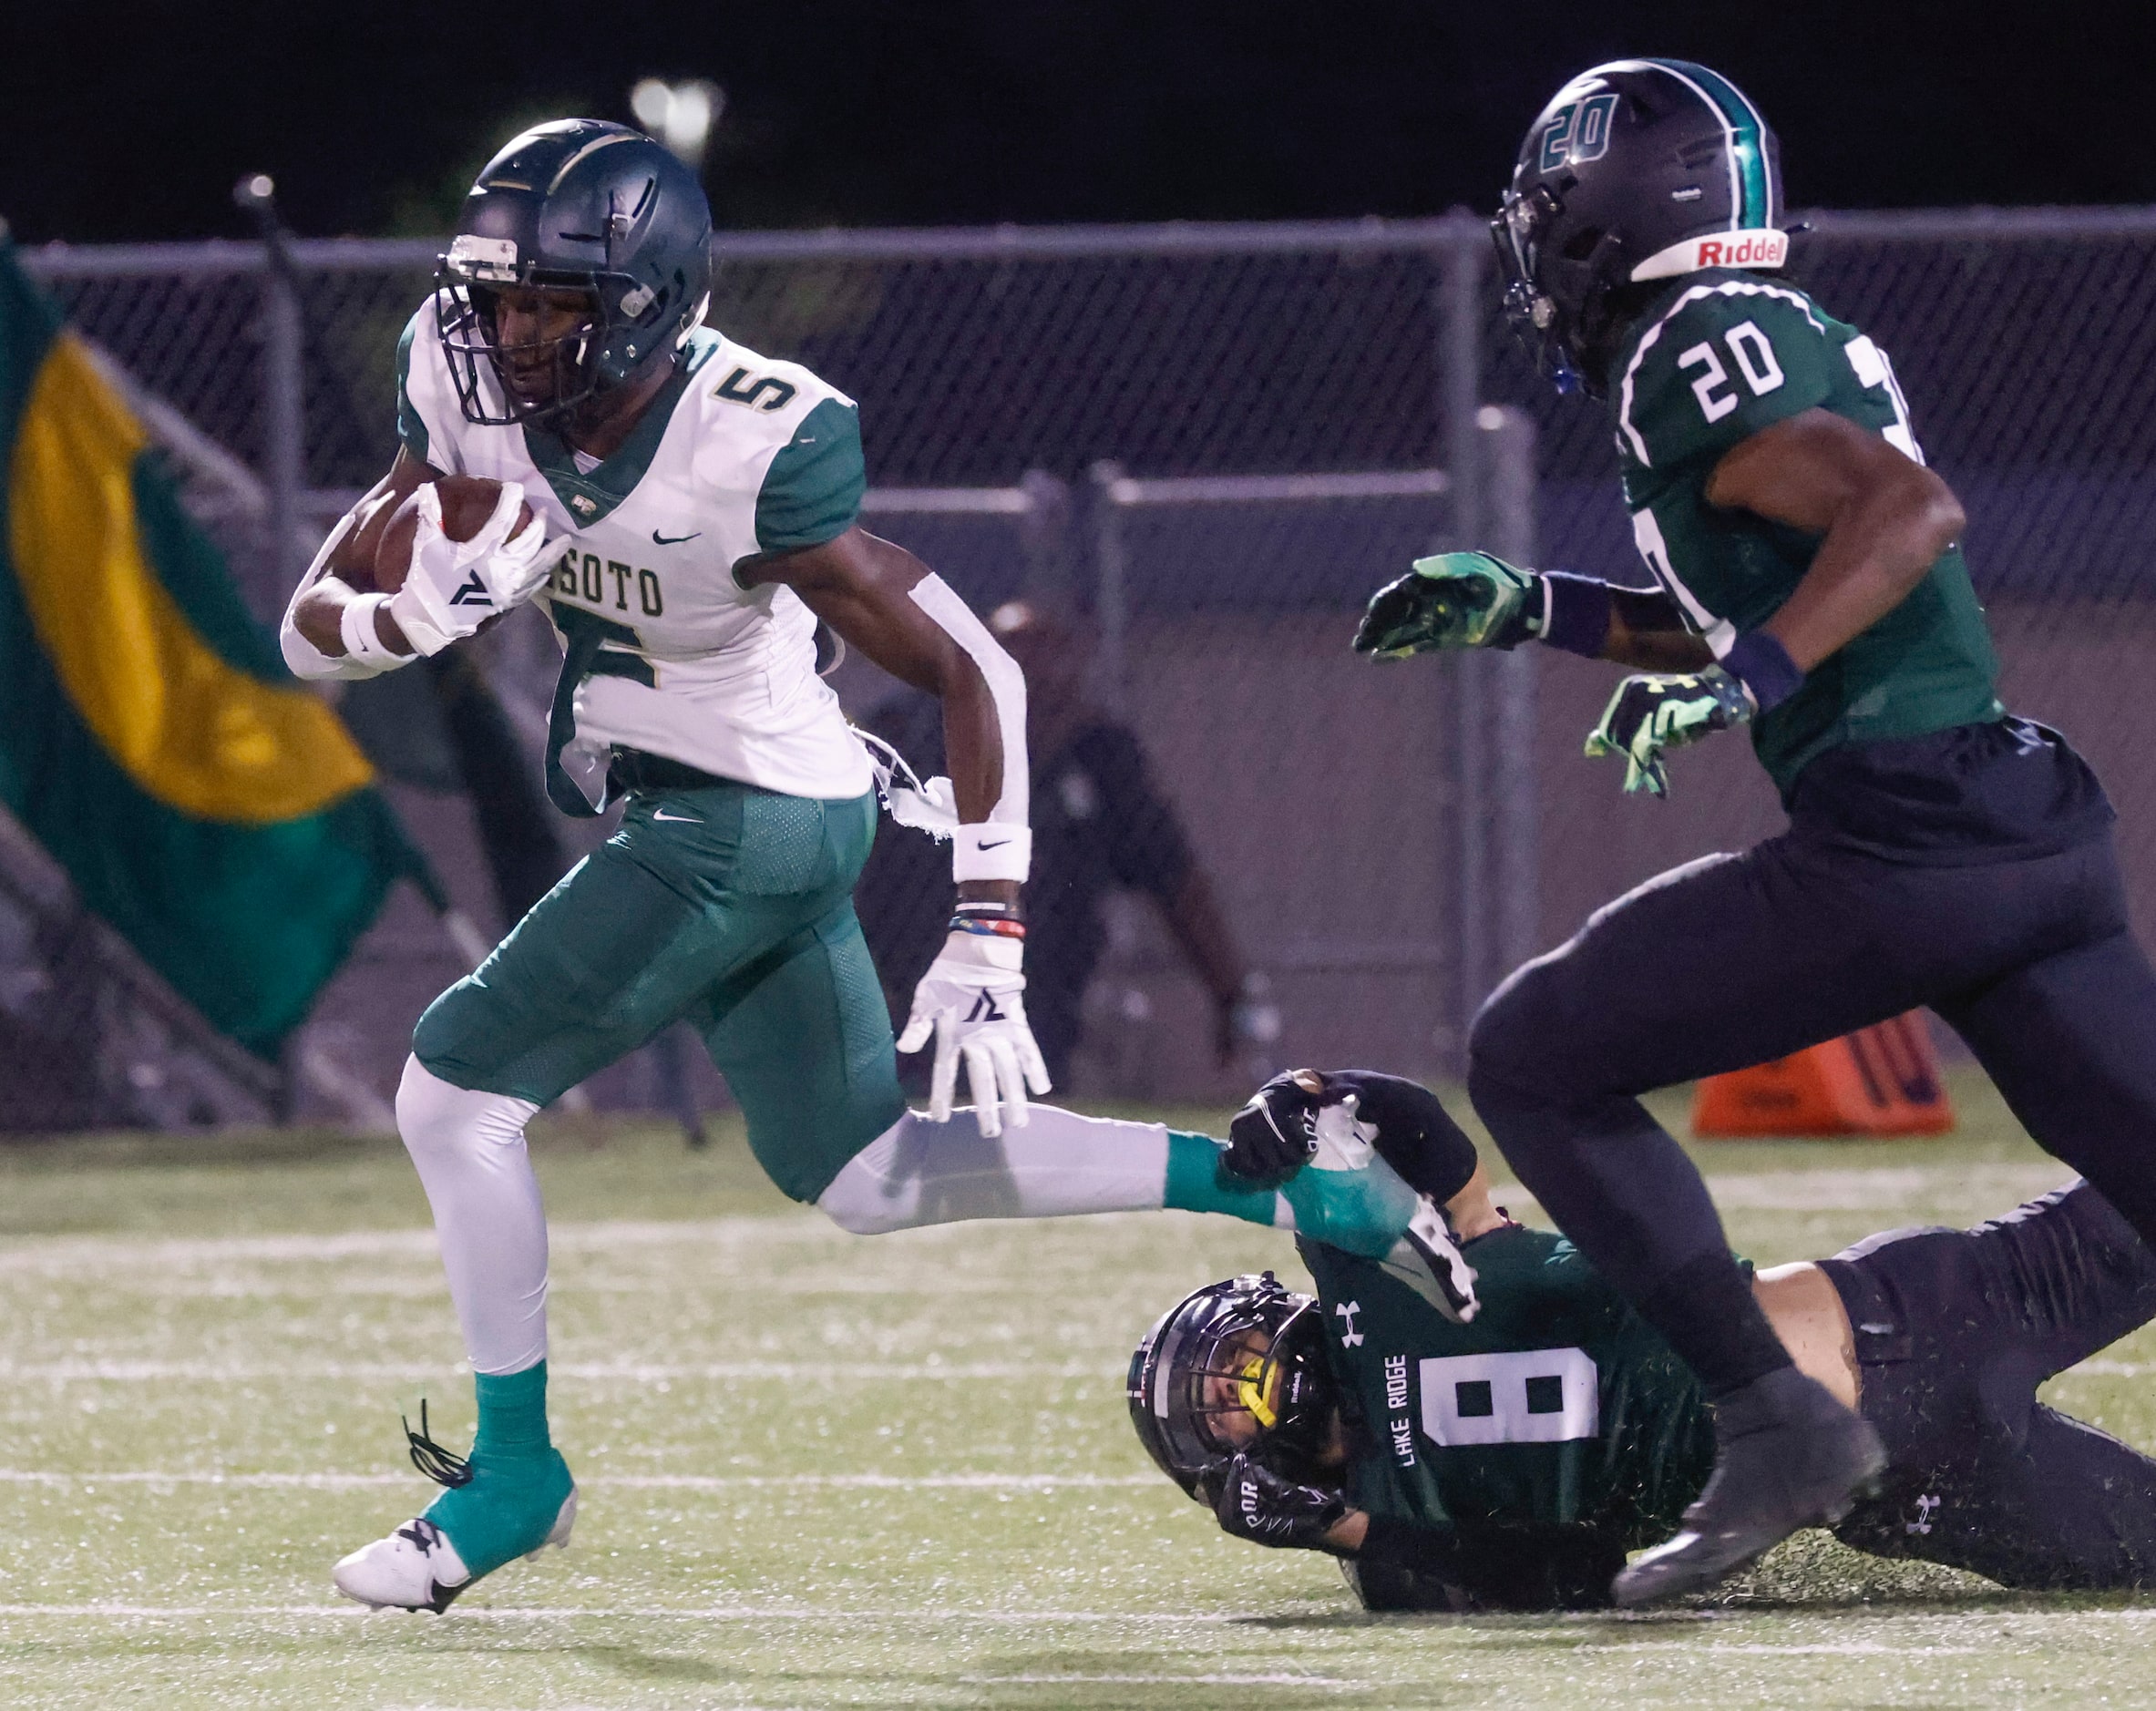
(1639, 169)
(1263, 1347)
(578, 205)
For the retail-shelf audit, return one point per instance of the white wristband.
(993, 849)
(363, 641)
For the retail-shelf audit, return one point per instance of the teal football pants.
(730, 908)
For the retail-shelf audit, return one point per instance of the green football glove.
(1457, 599)
(1651, 713)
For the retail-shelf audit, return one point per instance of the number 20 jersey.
(665, 651)
(1717, 358)
(1557, 1403)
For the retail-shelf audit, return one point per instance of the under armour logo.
(984, 1010)
(1351, 1338)
(1926, 1506)
(473, 593)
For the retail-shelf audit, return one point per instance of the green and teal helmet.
(580, 206)
(1638, 170)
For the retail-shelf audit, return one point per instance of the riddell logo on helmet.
(1751, 249)
(1761, 246)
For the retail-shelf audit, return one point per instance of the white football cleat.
(416, 1567)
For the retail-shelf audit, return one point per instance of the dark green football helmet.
(585, 207)
(1638, 170)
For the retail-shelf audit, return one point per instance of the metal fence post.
(1111, 592)
(285, 404)
(1045, 538)
(1514, 833)
(1459, 336)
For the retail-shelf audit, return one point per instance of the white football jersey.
(664, 651)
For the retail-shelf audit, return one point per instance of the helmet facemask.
(466, 312)
(1557, 286)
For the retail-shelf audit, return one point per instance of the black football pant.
(1954, 1331)
(1737, 959)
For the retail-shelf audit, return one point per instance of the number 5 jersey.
(665, 649)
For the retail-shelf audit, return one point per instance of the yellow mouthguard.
(1257, 1389)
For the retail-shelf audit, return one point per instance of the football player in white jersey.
(694, 510)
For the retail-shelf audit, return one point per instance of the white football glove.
(455, 585)
(971, 999)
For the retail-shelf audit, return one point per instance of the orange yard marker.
(1881, 1080)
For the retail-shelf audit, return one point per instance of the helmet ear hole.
(1581, 245)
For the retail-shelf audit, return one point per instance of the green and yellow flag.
(211, 810)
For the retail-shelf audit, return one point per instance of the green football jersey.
(1717, 358)
(1558, 1403)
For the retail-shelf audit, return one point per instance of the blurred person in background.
(1100, 825)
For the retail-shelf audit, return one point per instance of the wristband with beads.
(1006, 927)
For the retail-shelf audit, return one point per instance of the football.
(468, 501)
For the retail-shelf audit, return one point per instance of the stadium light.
(680, 115)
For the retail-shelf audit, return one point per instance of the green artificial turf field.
(819, 1469)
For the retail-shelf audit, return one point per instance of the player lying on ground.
(693, 515)
(1511, 1462)
(1810, 585)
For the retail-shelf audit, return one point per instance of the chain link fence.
(1204, 445)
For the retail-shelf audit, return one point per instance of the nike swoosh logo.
(672, 540)
(686, 819)
(996, 845)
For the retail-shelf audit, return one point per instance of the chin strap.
(932, 806)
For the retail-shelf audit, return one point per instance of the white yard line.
(1841, 1648)
(1582, 1625)
(1885, 1190)
(1890, 1192)
(629, 1613)
(616, 1481)
(614, 1236)
(594, 1372)
(1275, 1680)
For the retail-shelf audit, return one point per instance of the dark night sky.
(133, 122)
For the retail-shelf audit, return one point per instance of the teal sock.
(518, 1481)
(1197, 1182)
(1364, 1211)
(512, 1414)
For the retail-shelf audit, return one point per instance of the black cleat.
(1787, 1456)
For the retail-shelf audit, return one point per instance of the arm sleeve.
(1721, 363)
(1491, 1566)
(812, 491)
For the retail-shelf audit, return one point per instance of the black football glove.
(1252, 1503)
(1415, 1134)
(1274, 1135)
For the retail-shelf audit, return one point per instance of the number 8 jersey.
(1716, 359)
(665, 649)
(1556, 1403)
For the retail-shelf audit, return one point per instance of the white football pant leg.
(917, 1171)
(470, 1150)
